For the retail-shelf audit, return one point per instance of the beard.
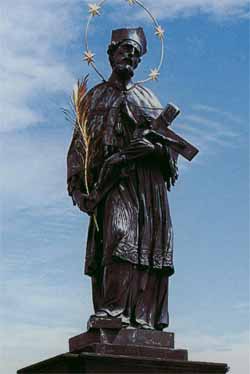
(125, 71)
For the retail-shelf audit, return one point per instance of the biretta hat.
(136, 35)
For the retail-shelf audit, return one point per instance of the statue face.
(126, 58)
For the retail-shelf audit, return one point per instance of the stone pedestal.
(128, 342)
(108, 347)
(91, 363)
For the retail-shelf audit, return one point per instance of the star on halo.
(159, 32)
(94, 9)
(154, 74)
(89, 57)
(131, 2)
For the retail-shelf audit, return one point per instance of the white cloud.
(38, 317)
(209, 109)
(26, 344)
(211, 130)
(29, 343)
(25, 297)
(35, 171)
(223, 8)
(232, 349)
(243, 307)
(35, 174)
(32, 35)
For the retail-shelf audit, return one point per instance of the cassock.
(130, 257)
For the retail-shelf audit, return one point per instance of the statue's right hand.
(115, 159)
(86, 203)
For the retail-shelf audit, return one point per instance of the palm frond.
(79, 110)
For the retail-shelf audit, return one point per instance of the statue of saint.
(129, 253)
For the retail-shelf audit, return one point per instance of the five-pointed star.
(159, 32)
(131, 2)
(154, 74)
(94, 9)
(89, 57)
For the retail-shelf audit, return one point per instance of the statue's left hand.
(138, 148)
(142, 144)
(173, 173)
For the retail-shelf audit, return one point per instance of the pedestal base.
(128, 342)
(109, 348)
(91, 363)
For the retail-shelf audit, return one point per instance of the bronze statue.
(121, 163)
(130, 163)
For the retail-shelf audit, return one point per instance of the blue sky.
(45, 298)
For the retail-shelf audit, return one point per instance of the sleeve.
(75, 166)
(78, 187)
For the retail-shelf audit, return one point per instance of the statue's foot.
(105, 314)
(101, 314)
(144, 325)
(125, 320)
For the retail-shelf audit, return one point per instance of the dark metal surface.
(135, 35)
(122, 337)
(107, 363)
(130, 171)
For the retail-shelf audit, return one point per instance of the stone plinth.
(92, 363)
(108, 347)
(134, 342)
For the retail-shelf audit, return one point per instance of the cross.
(160, 132)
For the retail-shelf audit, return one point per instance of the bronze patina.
(131, 165)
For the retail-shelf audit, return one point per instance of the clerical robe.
(135, 237)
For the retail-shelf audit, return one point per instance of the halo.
(95, 10)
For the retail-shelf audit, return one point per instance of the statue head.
(125, 51)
